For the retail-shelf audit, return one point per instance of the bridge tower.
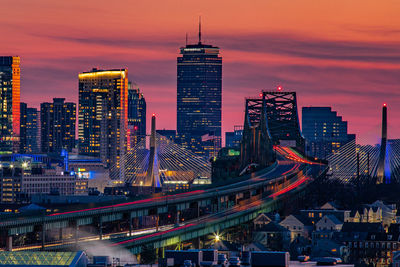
(283, 119)
(380, 174)
(153, 177)
(256, 145)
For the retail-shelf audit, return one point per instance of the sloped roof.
(305, 220)
(334, 219)
(329, 206)
(39, 258)
(264, 217)
(272, 227)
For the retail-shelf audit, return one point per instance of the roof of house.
(264, 217)
(271, 227)
(305, 220)
(329, 206)
(332, 218)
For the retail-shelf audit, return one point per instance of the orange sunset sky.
(344, 54)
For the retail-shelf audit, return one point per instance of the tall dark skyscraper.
(29, 130)
(199, 95)
(136, 115)
(325, 132)
(10, 78)
(103, 114)
(57, 125)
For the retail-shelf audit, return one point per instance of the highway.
(289, 164)
(225, 213)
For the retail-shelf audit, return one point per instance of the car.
(303, 258)
(326, 261)
(187, 263)
(222, 260)
(234, 261)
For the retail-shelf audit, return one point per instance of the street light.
(217, 238)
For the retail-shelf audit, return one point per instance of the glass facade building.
(325, 132)
(136, 115)
(199, 97)
(29, 131)
(234, 139)
(57, 126)
(103, 114)
(10, 79)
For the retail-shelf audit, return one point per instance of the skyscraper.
(199, 95)
(103, 116)
(22, 127)
(57, 125)
(10, 76)
(136, 115)
(325, 132)
(32, 131)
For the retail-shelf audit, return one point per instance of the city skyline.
(351, 61)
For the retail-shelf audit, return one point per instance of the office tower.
(233, 139)
(57, 126)
(169, 134)
(325, 132)
(199, 96)
(103, 116)
(136, 115)
(10, 76)
(29, 130)
(22, 127)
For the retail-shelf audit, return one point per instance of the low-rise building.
(329, 223)
(272, 235)
(298, 225)
(66, 184)
(316, 214)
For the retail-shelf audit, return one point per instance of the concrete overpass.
(229, 205)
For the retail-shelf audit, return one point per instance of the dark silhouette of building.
(10, 104)
(170, 134)
(57, 125)
(29, 133)
(324, 130)
(103, 114)
(199, 97)
(233, 139)
(136, 115)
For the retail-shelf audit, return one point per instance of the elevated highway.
(214, 209)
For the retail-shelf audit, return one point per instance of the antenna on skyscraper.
(199, 29)
(186, 39)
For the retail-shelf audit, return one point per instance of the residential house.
(366, 214)
(298, 225)
(316, 214)
(329, 222)
(272, 235)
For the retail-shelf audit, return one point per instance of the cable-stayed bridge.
(358, 162)
(156, 160)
